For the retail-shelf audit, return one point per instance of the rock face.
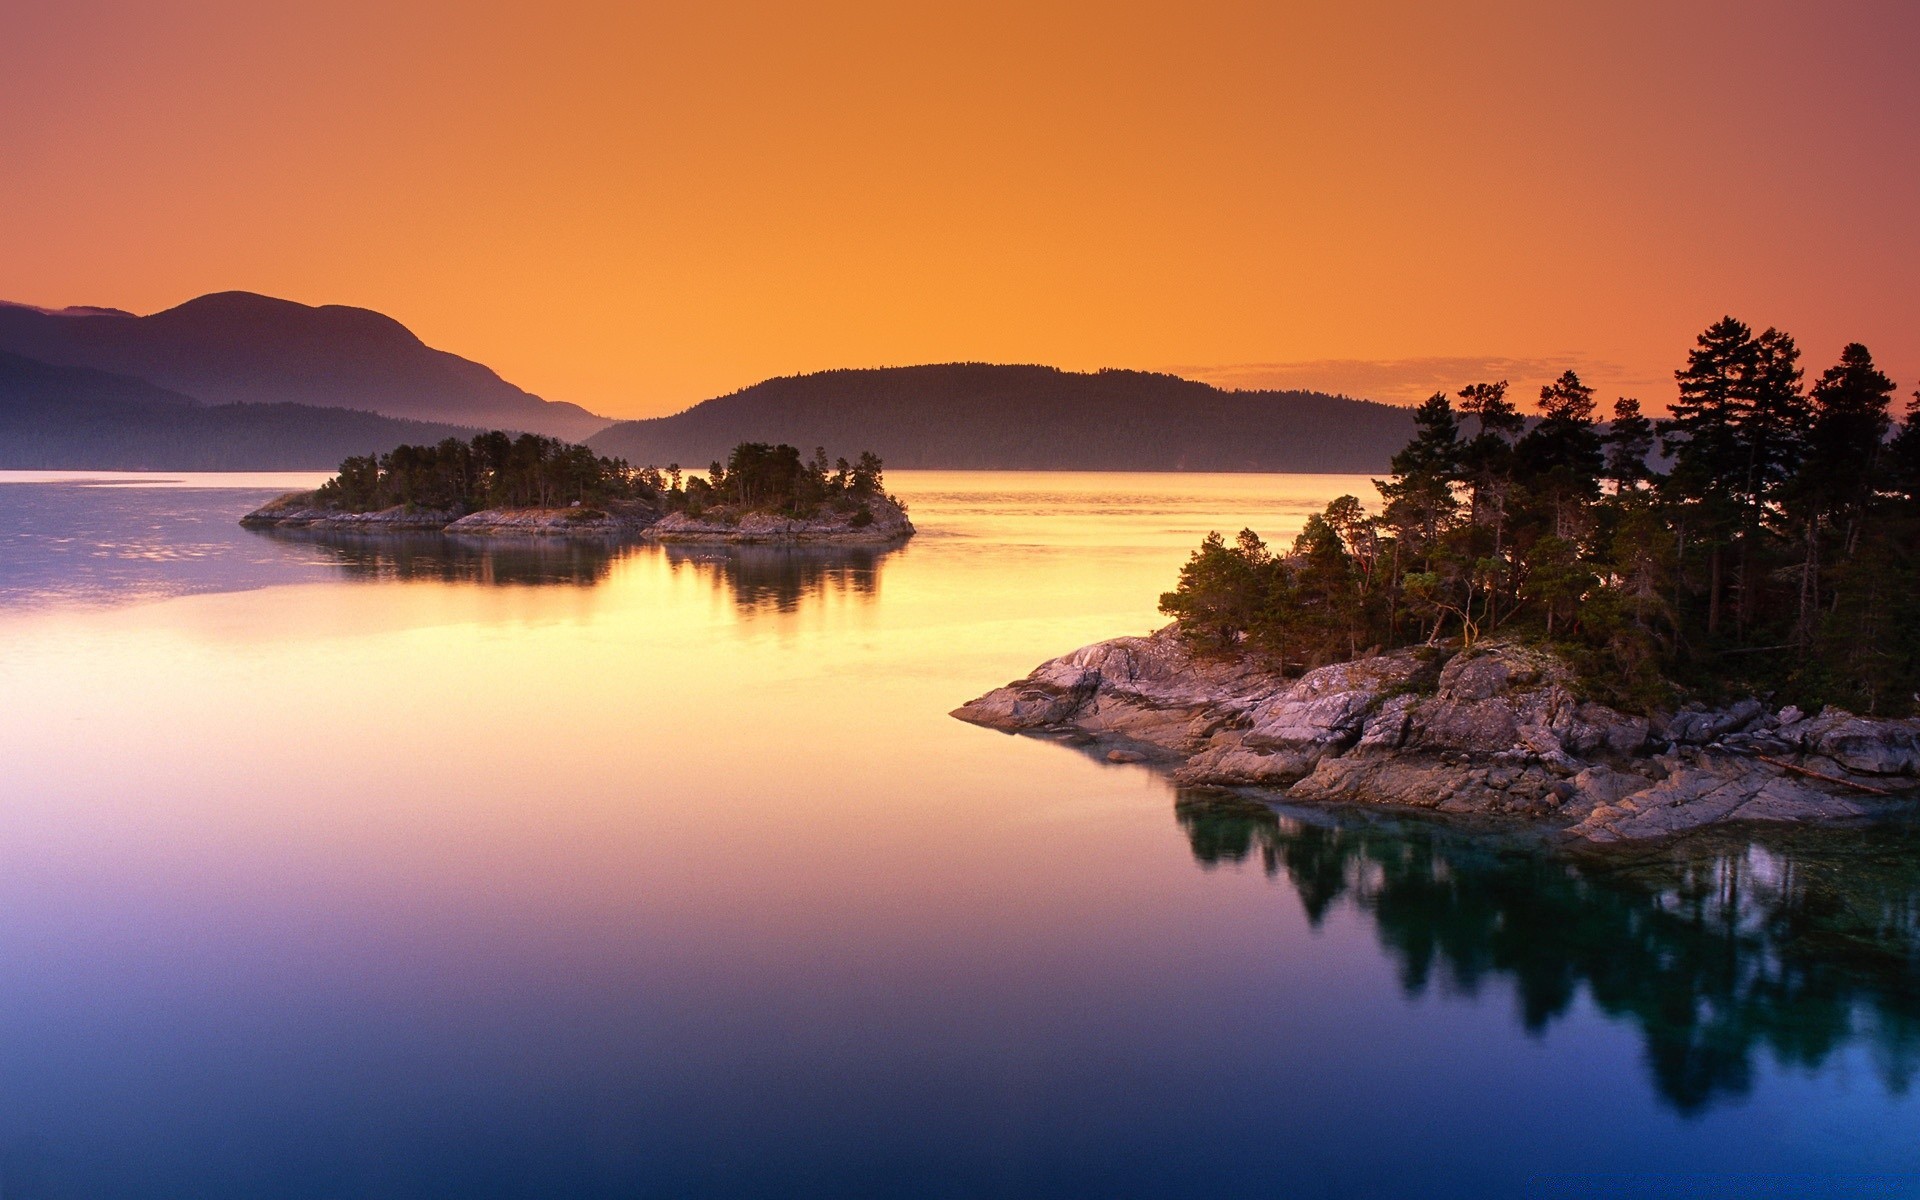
(1494, 731)
(874, 521)
(613, 521)
(301, 510)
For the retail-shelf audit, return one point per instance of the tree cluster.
(774, 478)
(1762, 537)
(499, 470)
(494, 470)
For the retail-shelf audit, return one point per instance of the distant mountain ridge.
(243, 348)
(78, 418)
(992, 417)
(239, 381)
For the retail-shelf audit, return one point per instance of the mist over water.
(340, 866)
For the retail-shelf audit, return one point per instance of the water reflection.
(779, 578)
(1717, 949)
(64, 544)
(443, 559)
(755, 578)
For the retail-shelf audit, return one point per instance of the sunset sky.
(636, 206)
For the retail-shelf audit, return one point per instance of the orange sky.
(635, 206)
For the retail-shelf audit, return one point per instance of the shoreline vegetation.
(499, 485)
(1621, 631)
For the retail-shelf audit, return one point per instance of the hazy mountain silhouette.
(236, 380)
(29, 387)
(982, 416)
(242, 348)
(71, 418)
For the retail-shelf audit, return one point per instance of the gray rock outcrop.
(577, 521)
(302, 510)
(1497, 731)
(877, 520)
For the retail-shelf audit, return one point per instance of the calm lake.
(345, 868)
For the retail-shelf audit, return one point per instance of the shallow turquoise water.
(344, 868)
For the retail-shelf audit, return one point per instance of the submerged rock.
(1498, 730)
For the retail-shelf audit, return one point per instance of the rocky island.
(1493, 731)
(1554, 631)
(533, 486)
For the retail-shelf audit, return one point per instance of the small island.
(1550, 623)
(533, 486)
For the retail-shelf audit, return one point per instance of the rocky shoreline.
(885, 522)
(1496, 731)
(874, 521)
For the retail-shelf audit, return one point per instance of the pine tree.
(1561, 458)
(1487, 460)
(1771, 419)
(1844, 442)
(1419, 499)
(1629, 442)
(1701, 438)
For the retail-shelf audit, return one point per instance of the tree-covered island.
(499, 483)
(1634, 627)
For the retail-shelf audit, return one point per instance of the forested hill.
(982, 416)
(243, 348)
(74, 418)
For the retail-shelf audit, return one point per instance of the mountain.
(74, 418)
(29, 388)
(981, 416)
(242, 348)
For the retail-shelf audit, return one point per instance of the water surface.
(342, 867)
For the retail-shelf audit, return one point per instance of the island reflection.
(753, 577)
(781, 578)
(1797, 943)
(434, 557)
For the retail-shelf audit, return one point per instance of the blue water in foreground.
(347, 868)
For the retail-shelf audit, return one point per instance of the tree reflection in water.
(1796, 942)
(781, 577)
(754, 577)
(438, 557)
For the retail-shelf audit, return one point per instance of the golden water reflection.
(754, 577)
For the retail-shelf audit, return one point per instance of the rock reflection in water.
(781, 577)
(440, 558)
(1796, 943)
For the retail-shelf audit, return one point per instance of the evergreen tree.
(1844, 443)
(1629, 443)
(1561, 458)
(1770, 485)
(1701, 437)
(1325, 601)
(1419, 499)
(1486, 460)
(1223, 590)
(1829, 499)
(1771, 426)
